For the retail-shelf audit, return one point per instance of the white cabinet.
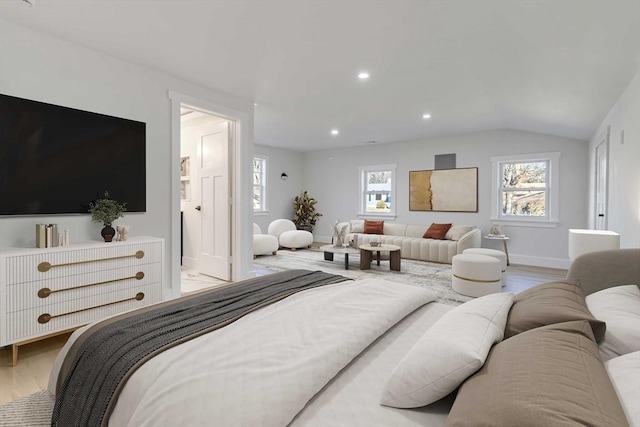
(48, 291)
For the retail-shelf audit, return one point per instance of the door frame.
(604, 141)
(240, 258)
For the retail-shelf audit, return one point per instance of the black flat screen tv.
(55, 160)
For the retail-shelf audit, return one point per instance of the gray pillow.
(549, 303)
(549, 376)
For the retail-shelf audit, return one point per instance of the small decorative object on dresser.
(122, 230)
(105, 211)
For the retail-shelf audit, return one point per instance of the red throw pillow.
(436, 231)
(373, 227)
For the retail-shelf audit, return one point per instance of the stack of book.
(47, 236)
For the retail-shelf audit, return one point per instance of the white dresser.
(47, 291)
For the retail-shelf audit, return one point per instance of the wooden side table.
(366, 256)
(504, 242)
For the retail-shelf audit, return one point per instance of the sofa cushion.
(550, 303)
(415, 230)
(357, 225)
(451, 350)
(437, 231)
(624, 372)
(619, 307)
(549, 376)
(395, 229)
(373, 227)
(457, 231)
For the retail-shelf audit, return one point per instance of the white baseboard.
(321, 239)
(189, 262)
(558, 263)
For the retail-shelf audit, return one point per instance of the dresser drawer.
(68, 314)
(47, 292)
(54, 264)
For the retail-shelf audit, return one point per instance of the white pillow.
(457, 231)
(624, 372)
(451, 350)
(357, 225)
(619, 308)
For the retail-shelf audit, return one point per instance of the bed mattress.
(352, 398)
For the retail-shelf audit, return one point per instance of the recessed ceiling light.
(426, 116)
(255, 104)
(363, 75)
(334, 131)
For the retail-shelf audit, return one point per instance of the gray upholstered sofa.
(414, 246)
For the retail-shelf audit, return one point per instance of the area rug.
(30, 411)
(434, 276)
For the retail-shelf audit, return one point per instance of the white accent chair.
(288, 236)
(263, 244)
(476, 275)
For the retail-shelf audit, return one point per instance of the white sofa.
(414, 246)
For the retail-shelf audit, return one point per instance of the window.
(259, 184)
(526, 188)
(377, 184)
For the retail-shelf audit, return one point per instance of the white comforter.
(264, 368)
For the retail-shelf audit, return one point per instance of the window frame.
(263, 188)
(362, 210)
(552, 189)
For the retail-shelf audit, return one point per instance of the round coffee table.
(329, 250)
(367, 251)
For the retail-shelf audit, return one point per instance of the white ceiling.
(553, 67)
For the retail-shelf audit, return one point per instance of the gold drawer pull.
(45, 266)
(44, 318)
(45, 292)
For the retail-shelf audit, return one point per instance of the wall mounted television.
(55, 160)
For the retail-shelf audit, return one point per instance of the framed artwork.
(185, 190)
(185, 167)
(185, 178)
(444, 190)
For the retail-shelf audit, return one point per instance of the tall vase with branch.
(339, 233)
(105, 211)
(305, 215)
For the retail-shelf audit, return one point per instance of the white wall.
(39, 67)
(624, 166)
(280, 193)
(332, 177)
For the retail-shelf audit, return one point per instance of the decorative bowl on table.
(374, 244)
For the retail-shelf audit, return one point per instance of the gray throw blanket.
(105, 356)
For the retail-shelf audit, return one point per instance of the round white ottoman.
(296, 239)
(476, 275)
(288, 236)
(494, 253)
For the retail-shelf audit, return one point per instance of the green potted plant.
(305, 215)
(105, 211)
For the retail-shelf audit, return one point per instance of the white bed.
(317, 358)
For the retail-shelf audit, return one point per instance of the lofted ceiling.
(554, 67)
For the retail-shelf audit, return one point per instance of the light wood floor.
(36, 359)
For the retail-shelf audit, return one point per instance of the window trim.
(265, 199)
(551, 219)
(362, 212)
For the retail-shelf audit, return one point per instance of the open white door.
(601, 185)
(213, 146)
